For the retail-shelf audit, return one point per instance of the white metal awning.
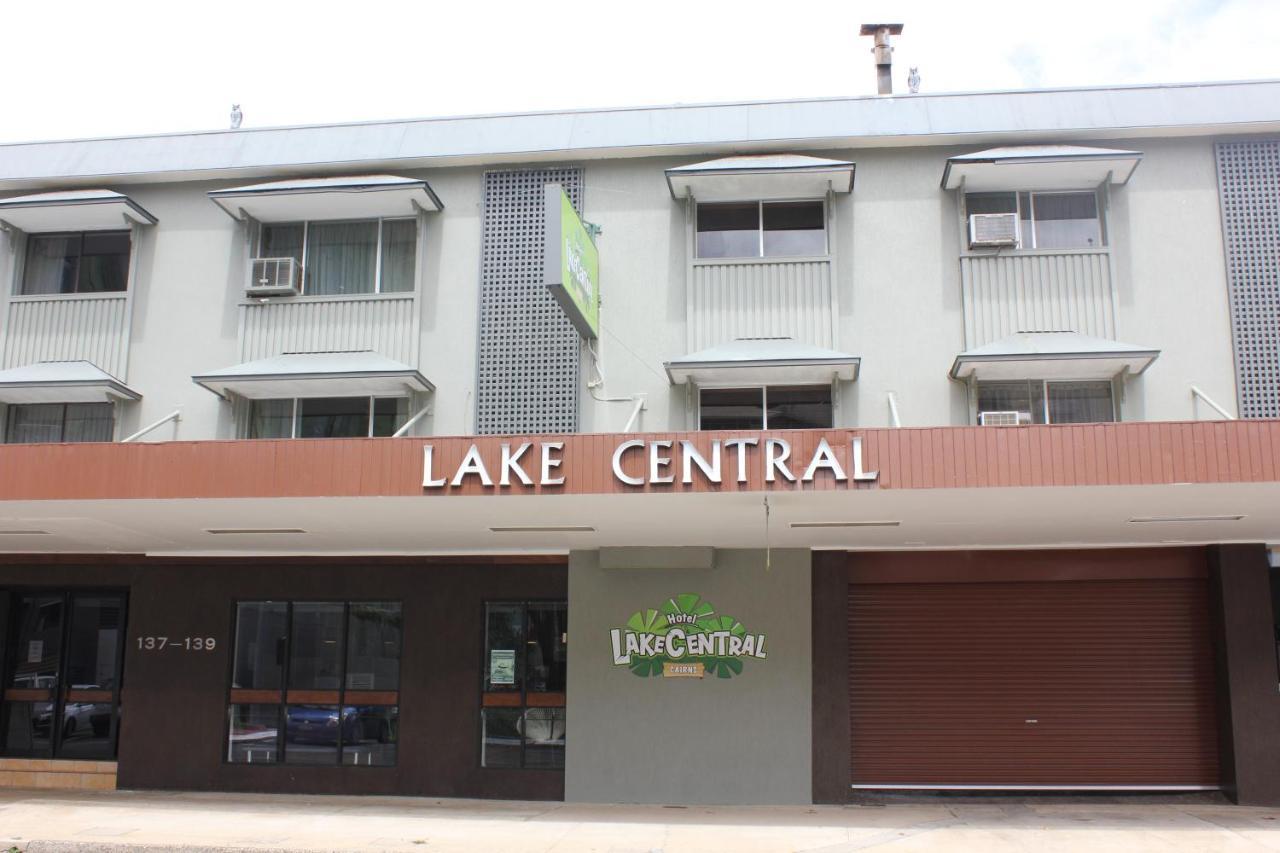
(763, 361)
(316, 374)
(73, 210)
(1039, 167)
(62, 382)
(358, 197)
(1052, 355)
(765, 176)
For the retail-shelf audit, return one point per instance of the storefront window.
(62, 696)
(523, 703)
(315, 683)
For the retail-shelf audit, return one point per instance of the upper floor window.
(1044, 402)
(770, 407)
(59, 422)
(81, 262)
(340, 258)
(1044, 220)
(328, 417)
(769, 229)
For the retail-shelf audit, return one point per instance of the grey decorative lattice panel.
(1249, 186)
(527, 378)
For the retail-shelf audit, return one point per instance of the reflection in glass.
(794, 229)
(253, 734)
(333, 417)
(369, 735)
(373, 654)
(39, 639)
(504, 638)
(729, 230)
(260, 645)
(732, 408)
(30, 730)
(500, 737)
(94, 642)
(389, 414)
(546, 653)
(86, 730)
(544, 731)
(311, 734)
(802, 407)
(315, 661)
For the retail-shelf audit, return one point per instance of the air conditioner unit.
(1004, 418)
(272, 277)
(993, 229)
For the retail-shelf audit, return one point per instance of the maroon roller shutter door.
(1090, 682)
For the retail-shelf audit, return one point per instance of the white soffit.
(763, 361)
(1052, 355)
(316, 374)
(1039, 167)
(359, 197)
(74, 210)
(62, 382)
(765, 176)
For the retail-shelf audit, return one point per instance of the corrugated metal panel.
(383, 324)
(761, 300)
(65, 328)
(1035, 292)
(1038, 683)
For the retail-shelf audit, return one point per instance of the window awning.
(1052, 355)
(1039, 167)
(316, 374)
(62, 382)
(74, 210)
(359, 197)
(765, 176)
(763, 361)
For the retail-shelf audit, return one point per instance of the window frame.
(1044, 391)
(760, 255)
(377, 264)
(59, 698)
(524, 707)
(11, 408)
(24, 263)
(282, 702)
(1104, 241)
(372, 398)
(764, 400)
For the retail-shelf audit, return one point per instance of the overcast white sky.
(77, 69)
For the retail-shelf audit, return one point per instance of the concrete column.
(1248, 691)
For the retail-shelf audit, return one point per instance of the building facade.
(872, 443)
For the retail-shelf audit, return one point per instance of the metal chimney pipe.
(883, 53)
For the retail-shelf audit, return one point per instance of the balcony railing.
(761, 298)
(382, 323)
(1051, 290)
(93, 327)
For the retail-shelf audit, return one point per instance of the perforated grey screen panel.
(1249, 186)
(528, 360)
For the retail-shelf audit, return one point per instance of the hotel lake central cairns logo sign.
(684, 638)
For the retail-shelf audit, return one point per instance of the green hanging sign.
(684, 638)
(571, 263)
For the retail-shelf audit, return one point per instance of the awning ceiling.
(761, 177)
(73, 210)
(1039, 167)
(359, 197)
(316, 374)
(62, 382)
(1052, 355)
(763, 361)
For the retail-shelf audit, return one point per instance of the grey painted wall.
(664, 740)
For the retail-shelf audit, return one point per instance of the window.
(327, 417)
(1050, 402)
(337, 258)
(770, 229)
(62, 680)
(771, 407)
(522, 716)
(1046, 220)
(83, 262)
(59, 422)
(329, 670)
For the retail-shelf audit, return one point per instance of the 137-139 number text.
(188, 644)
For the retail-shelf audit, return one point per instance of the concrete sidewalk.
(47, 821)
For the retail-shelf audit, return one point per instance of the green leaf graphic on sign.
(687, 603)
(648, 621)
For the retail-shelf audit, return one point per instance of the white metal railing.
(1196, 393)
(894, 419)
(175, 416)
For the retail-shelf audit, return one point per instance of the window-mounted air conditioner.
(1003, 418)
(993, 229)
(272, 277)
